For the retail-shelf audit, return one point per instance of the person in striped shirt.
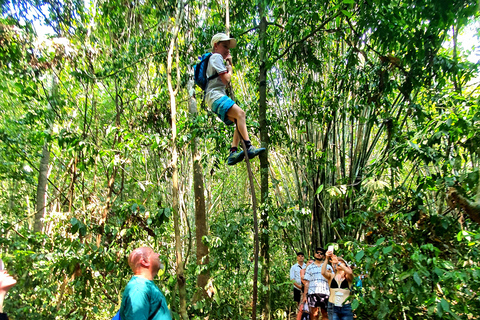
(316, 289)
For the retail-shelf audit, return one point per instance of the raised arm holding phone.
(340, 283)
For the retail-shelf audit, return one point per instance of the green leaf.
(167, 212)
(134, 207)
(348, 14)
(75, 225)
(359, 255)
(355, 304)
(417, 279)
(348, 1)
(445, 305)
(387, 250)
(380, 241)
(319, 189)
(404, 275)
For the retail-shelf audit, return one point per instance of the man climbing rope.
(220, 103)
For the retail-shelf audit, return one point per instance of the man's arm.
(305, 292)
(326, 274)
(306, 283)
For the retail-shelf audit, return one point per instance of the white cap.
(223, 37)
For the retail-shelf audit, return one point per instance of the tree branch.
(306, 37)
(241, 34)
(276, 25)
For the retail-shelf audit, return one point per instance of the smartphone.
(2, 267)
(330, 248)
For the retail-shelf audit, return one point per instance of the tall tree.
(181, 279)
(201, 229)
(42, 189)
(264, 165)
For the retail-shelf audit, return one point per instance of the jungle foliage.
(372, 120)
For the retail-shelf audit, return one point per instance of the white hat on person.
(219, 37)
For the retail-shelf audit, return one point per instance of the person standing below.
(141, 299)
(216, 98)
(316, 289)
(340, 286)
(295, 276)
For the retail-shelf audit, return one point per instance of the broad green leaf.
(417, 279)
(387, 250)
(355, 304)
(380, 241)
(359, 255)
(445, 305)
(319, 189)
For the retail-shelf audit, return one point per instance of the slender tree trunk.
(41, 202)
(200, 214)
(111, 179)
(456, 85)
(264, 239)
(42, 189)
(181, 279)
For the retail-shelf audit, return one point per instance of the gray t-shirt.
(215, 88)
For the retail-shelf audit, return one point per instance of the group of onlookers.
(322, 286)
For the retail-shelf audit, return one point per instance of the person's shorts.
(297, 295)
(316, 300)
(221, 106)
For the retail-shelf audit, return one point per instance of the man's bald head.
(138, 256)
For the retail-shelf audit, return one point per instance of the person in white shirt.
(216, 98)
(295, 276)
(317, 290)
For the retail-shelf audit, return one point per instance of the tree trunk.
(264, 239)
(42, 189)
(200, 214)
(181, 279)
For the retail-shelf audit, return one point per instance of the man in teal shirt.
(141, 299)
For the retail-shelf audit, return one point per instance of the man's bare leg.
(236, 138)
(324, 314)
(314, 313)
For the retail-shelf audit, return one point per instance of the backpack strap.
(206, 86)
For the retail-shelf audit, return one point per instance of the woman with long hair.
(340, 282)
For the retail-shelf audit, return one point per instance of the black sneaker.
(235, 157)
(253, 152)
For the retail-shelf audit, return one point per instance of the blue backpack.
(200, 70)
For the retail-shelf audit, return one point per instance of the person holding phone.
(340, 282)
(6, 283)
